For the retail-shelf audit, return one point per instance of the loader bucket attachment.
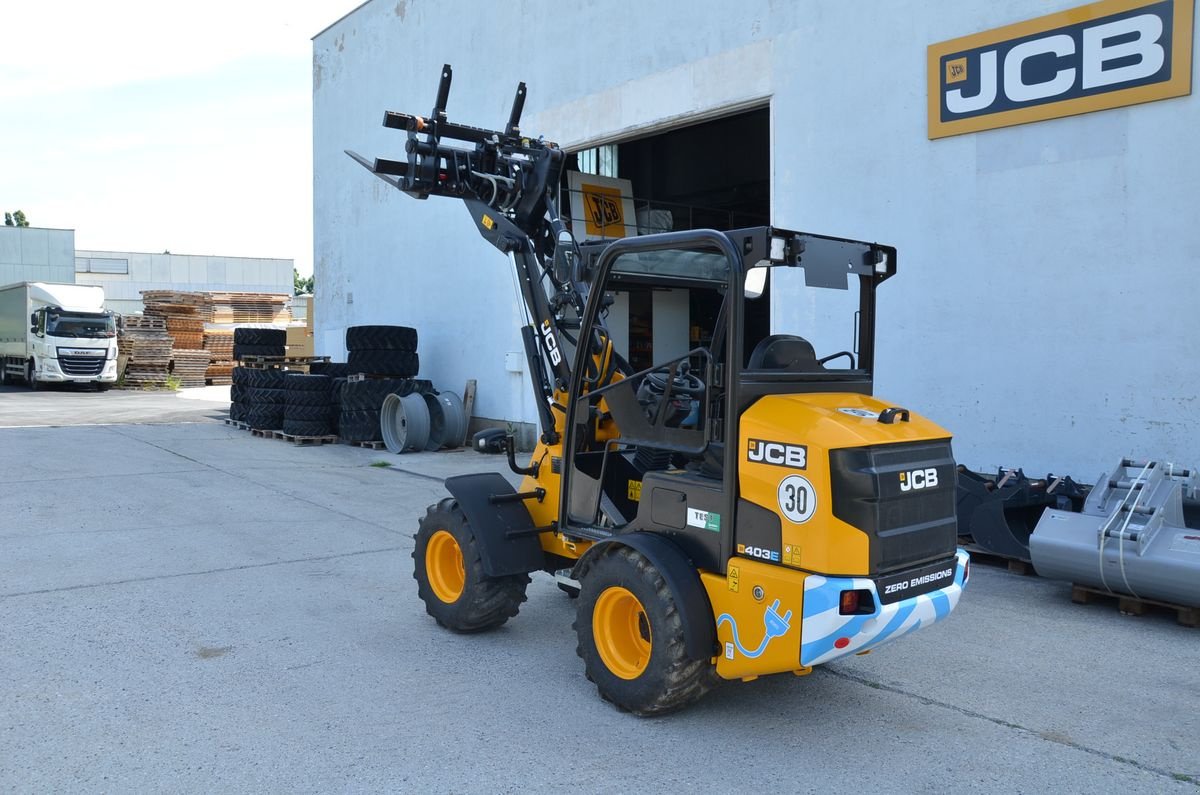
(997, 513)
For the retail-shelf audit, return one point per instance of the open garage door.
(715, 174)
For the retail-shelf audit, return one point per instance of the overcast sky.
(148, 125)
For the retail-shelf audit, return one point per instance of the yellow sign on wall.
(603, 213)
(1098, 56)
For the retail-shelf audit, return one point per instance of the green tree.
(301, 284)
(15, 219)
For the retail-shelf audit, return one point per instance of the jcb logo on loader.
(778, 453)
(1103, 55)
(918, 479)
(551, 343)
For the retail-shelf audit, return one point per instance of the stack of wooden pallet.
(219, 343)
(187, 331)
(250, 308)
(225, 307)
(189, 366)
(145, 341)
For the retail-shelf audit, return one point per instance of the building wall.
(179, 272)
(31, 254)
(1045, 305)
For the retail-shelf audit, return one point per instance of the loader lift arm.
(507, 181)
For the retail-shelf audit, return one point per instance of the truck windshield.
(81, 325)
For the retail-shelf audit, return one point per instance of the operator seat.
(784, 352)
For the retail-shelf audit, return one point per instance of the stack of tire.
(259, 342)
(258, 398)
(383, 350)
(337, 372)
(238, 401)
(308, 407)
(361, 400)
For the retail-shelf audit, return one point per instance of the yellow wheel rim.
(444, 567)
(621, 632)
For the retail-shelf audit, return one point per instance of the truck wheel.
(631, 637)
(29, 379)
(450, 577)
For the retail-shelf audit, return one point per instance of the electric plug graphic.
(774, 626)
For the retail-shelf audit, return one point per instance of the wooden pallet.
(224, 381)
(267, 362)
(367, 445)
(1014, 566)
(238, 424)
(1135, 606)
(305, 440)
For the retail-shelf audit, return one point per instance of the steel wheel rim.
(444, 567)
(621, 631)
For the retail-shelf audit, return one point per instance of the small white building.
(1038, 175)
(29, 253)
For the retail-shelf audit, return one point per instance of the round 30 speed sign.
(797, 499)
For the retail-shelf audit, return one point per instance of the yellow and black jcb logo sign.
(1098, 56)
(605, 216)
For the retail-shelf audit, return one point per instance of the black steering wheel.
(684, 382)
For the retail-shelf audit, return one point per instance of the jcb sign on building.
(1098, 56)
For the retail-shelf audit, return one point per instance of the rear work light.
(856, 603)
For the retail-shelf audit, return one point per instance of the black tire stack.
(308, 408)
(238, 404)
(361, 401)
(263, 397)
(259, 342)
(383, 350)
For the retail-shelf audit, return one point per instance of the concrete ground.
(185, 607)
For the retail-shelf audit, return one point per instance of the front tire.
(30, 376)
(450, 577)
(631, 637)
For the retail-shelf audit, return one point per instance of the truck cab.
(57, 333)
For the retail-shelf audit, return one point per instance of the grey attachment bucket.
(447, 421)
(404, 422)
(1132, 536)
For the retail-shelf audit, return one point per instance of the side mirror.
(756, 282)
(33, 329)
(33, 319)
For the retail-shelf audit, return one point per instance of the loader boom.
(507, 182)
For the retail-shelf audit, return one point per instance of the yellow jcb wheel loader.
(734, 504)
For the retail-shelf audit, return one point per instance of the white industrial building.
(124, 274)
(49, 255)
(1038, 180)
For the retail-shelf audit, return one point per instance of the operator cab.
(738, 322)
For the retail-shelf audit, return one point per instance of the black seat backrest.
(784, 352)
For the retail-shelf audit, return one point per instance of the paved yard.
(185, 607)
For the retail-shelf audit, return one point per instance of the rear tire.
(450, 577)
(631, 637)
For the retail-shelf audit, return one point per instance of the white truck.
(57, 333)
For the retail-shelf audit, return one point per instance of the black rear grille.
(81, 365)
(887, 492)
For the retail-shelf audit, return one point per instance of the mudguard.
(491, 523)
(695, 611)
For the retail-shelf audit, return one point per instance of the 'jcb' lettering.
(1075, 61)
(1110, 54)
(918, 479)
(551, 343)
(761, 451)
